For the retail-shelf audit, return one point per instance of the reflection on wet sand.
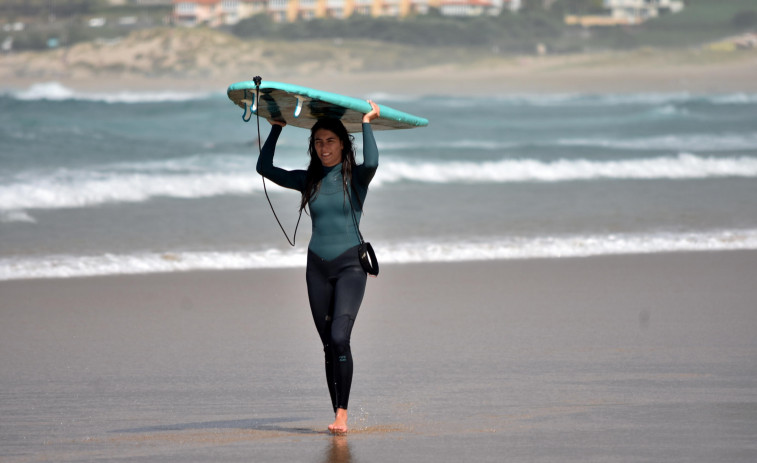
(338, 450)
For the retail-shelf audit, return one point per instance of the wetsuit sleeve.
(294, 179)
(370, 157)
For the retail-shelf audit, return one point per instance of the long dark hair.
(315, 169)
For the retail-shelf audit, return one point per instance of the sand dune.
(203, 59)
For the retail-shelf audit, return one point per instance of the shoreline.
(424, 266)
(399, 267)
(434, 82)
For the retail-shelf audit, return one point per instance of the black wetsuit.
(335, 278)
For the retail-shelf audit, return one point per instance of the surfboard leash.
(257, 80)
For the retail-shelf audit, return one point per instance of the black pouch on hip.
(368, 258)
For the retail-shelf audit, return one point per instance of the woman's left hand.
(373, 113)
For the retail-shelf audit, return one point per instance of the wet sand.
(623, 358)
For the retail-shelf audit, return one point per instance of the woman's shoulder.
(362, 175)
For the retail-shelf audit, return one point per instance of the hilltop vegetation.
(700, 22)
(533, 27)
(510, 32)
(523, 32)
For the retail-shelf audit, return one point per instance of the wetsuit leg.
(320, 295)
(349, 291)
(335, 291)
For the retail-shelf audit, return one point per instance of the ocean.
(145, 182)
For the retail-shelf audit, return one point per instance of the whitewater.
(197, 177)
(510, 248)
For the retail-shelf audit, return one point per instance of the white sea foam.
(15, 216)
(622, 99)
(696, 143)
(670, 110)
(132, 182)
(734, 98)
(692, 142)
(462, 144)
(684, 166)
(218, 175)
(83, 189)
(66, 266)
(570, 246)
(54, 91)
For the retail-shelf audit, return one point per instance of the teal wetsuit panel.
(334, 230)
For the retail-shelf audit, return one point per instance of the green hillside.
(700, 22)
(533, 28)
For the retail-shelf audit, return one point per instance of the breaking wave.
(67, 266)
(54, 91)
(217, 175)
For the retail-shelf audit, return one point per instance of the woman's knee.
(341, 329)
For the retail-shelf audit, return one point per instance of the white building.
(228, 12)
(140, 2)
(215, 12)
(627, 12)
(470, 7)
(640, 10)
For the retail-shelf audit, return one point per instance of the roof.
(200, 2)
(483, 3)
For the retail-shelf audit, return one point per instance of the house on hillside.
(215, 13)
(641, 10)
(152, 2)
(140, 2)
(469, 7)
(627, 12)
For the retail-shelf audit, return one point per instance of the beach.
(571, 74)
(206, 60)
(613, 358)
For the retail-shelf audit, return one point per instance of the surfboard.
(302, 106)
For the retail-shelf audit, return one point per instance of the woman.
(334, 188)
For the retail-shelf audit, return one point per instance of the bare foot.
(339, 426)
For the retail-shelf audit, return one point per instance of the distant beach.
(179, 59)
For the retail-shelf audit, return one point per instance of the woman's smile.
(329, 147)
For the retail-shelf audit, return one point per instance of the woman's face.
(328, 146)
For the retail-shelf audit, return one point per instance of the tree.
(744, 19)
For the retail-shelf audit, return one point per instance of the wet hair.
(315, 168)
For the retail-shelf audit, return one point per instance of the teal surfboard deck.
(302, 106)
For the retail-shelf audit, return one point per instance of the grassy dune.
(202, 57)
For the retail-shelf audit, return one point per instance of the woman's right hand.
(373, 113)
(279, 123)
